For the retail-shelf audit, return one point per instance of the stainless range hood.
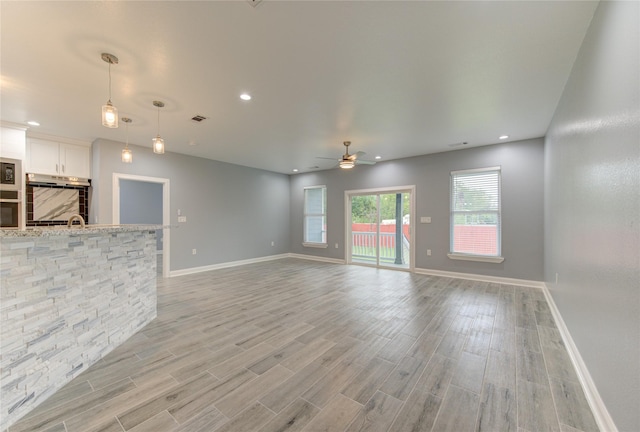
(44, 179)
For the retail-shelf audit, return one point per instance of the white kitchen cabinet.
(43, 157)
(57, 158)
(75, 160)
(13, 143)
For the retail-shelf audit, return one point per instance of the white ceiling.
(396, 78)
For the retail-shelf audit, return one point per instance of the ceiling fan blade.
(358, 154)
(364, 162)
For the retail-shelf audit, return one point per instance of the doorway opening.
(379, 229)
(144, 200)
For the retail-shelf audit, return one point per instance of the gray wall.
(522, 205)
(140, 202)
(592, 207)
(233, 212)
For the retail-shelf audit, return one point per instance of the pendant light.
(158, 143)
(109, 112)
(127, 154)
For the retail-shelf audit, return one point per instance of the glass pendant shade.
(346, 164)
(109, 115)
(127, 155)
(158, 145)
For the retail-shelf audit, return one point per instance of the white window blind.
(315, 215)
(475, 212)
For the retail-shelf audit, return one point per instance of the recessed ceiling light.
(378, 157)
(503, 137)
(295, 170)
(245, 96)
(33, 123)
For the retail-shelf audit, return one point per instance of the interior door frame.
(411, 189)
(166, 211)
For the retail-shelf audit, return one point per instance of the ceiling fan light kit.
(348, 161)
(347, 164)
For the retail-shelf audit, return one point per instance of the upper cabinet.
(75, 160)
(12, 142)
(58, 158)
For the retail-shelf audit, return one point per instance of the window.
(475, 215)
(315, 216)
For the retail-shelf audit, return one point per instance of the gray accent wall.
(522, 205)
(233, 212)
(592, 207)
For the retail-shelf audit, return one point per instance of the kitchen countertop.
(62, 230)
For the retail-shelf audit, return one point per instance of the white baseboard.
(598, 408)
(467, 276)
(194, 270)
(317, 258)
(481, 278)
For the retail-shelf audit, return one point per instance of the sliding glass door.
(379, 228)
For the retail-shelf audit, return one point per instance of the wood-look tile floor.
(296, 345)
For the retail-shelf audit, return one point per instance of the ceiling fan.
(348, 161)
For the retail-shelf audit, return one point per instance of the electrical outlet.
(273, 243)
(556, 278)
(336, 245)
(194, 251)
(428, 252)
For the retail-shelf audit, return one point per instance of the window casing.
(315, 216)
(475, 224)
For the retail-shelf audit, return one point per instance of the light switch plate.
(182, 218)
(425, 219)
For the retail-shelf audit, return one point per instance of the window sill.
(478, 258)
(316, 245)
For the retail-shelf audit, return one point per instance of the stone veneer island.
(68, 296)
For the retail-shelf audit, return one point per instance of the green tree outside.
(364, 210)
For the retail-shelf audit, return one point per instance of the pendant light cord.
(109, 80)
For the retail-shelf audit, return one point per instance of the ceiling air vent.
(198, 118)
